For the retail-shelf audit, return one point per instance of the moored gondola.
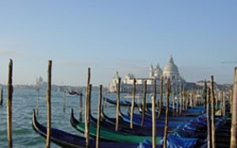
(67, 140)
(59, 137)
(137, 130)
(124, 102)
(107, 134)
(110, 135)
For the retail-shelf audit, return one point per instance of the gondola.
(172, 118)
(59, 137)
(110, 135)
(173, 141)
(191, 112)
(137, 119)
(121, 102)
(137, 130)
(124, 102)
(160, 122)
(126, 124)
(67, 140)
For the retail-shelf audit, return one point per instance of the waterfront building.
(155, 73)
(40, 83)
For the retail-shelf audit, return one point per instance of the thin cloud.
(229, 62)
(73, 63)
(13, 53)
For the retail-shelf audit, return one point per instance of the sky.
(127, 36)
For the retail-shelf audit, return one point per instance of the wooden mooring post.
(208, 96)
(9, 105)
(48, 100)
(144, 102)
(181, 102)
(173, 106)
(161, 97)
(117, 105)
(87, 110)
(80, 106)
(37, 101)
(233, 139)
(166, 113)
(205, 93)
(213, 111)
(64, 100)
(133, 101)
(183, 98)
(1, 96)
(191, 99)
(99, 116)
(153, 103)
(231, 96)
(224, 104)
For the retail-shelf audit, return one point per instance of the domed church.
(171, 71)
(155, 73)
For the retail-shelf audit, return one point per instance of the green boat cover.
(115, 136)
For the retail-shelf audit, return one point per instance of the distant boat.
(72, 92)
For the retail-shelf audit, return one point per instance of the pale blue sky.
(124, 35)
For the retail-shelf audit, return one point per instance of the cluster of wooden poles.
(210, 96)
(168, 87)
(210, 100)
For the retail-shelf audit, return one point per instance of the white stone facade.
(170, 71)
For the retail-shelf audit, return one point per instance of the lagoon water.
(23, 103)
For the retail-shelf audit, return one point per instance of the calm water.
(24, 101)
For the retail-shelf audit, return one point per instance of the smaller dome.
(158, 71)
(171, 67)
(129, 76)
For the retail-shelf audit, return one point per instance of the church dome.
(158, 71)
(171, 68)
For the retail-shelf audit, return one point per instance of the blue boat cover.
(179, 142)
(172, 142)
